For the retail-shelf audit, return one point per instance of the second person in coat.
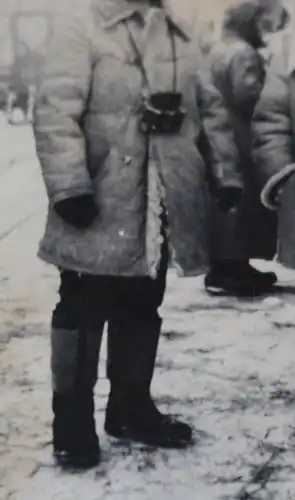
(274, 145)
(249, 231)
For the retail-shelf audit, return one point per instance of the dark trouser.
(130, 308)
(247, 232)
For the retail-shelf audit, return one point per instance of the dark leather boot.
(264, 279)
(136, 417)
(131, 413)
(75, 443)
(238, 279)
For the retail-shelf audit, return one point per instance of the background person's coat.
(274, 140)
(238, 73)
(86, 129)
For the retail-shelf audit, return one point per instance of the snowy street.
(226, 366)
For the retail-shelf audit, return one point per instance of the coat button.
(127, 160)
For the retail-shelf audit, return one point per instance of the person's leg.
(30, 103)
(11, 100)
(77, 326)
(133, 335)
(231, 248)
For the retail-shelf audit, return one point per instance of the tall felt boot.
(74, 363)
(131, 413)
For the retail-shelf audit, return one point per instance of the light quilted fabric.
(88, 142)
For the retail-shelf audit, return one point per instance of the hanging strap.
(139, 58)
(174, 57)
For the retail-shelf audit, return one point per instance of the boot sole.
(67, 462)
(255, 292)
(126, 437)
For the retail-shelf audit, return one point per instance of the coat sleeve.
(272, 123)
(216, 143)
(61, 100)
(246, 76)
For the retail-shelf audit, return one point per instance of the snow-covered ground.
(226, 366)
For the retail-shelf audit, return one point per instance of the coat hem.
(62, 264)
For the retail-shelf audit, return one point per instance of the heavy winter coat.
(274, 140)
(87, 138)
(238, 72)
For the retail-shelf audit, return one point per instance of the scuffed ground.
(225, 366)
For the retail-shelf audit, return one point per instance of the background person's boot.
(238, 279)
(263, 279)
(131, 413)
(74, 372)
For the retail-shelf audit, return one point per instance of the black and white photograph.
(147, 249)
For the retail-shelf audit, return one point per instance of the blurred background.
(26, 28)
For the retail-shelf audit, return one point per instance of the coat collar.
(115, 11)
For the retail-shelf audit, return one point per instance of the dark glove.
(228, 197)
(79, 211)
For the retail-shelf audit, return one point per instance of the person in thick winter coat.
(249, 231)
(274, 145)
(276, 22)
(274, 15)
(122, 195)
